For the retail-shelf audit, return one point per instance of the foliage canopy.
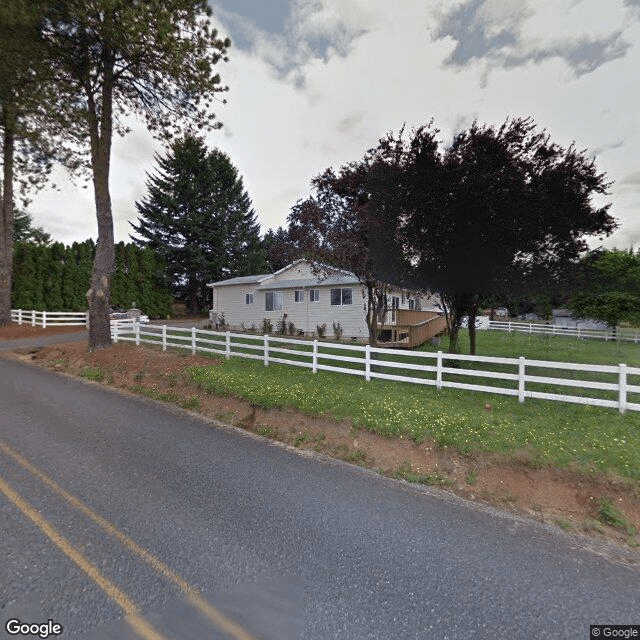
(499, 206)
(608, 287)
(152, 58)
(197, 216)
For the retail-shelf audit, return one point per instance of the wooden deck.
(406, 329)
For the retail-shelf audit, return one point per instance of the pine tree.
(198, 219)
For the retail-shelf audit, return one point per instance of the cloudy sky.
(315, 83)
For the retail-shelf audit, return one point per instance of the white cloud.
(345, 72)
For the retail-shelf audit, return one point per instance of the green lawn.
(544, 432)
(538, 347)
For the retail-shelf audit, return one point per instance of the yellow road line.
(128, 606)
(211, 612)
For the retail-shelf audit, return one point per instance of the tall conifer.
(198, 219)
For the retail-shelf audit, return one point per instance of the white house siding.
(296, 271)
(229, 299)
(307, 315)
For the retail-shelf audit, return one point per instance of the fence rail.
(50, 318)
(627, 335)
(46, 319)
(525, 378)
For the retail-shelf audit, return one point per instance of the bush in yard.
(267, 327)
(281, 326)
(337, 330)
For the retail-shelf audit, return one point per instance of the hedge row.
(56, 278)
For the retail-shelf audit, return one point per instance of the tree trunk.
(103, 264)
(372, 315)
(193, 297)
(6, 229)
(473, 314)
(101, 132)
(457, 309)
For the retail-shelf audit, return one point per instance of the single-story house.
(310, 297)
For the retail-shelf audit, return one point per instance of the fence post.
(33, 317)
(509, 326)
(164, 337)
(578, 333)
(266, 349)
(227, 349)
(622, 388)
(136, 328)
(439, 371)
(521, 378)
(367, 363)
(44, 319)
(314, 360)
(530, 331)
(114, 326)
(193, 341)
(20, 318)
(86, 320)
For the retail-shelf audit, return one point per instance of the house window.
(273, 301)
(412, 304)
(341, 296)
(395, 302)
(314, 295)
(248, 298)
(298, 296)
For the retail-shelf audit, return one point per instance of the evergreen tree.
(69, 277)
(54, 259)
(41, 263)
(132, 280)
(23, 230)
(156, 59)
(84, 259)
(55, 278)
(197, 218)
(24, 276)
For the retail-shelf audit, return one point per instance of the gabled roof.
(241, 280)
(310, 282)
(337, 276)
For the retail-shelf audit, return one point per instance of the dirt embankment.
(601, 507)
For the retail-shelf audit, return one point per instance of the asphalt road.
(121, 518)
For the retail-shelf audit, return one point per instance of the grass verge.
(539, 432)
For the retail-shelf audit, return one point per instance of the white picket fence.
(628, 335)
(418, 367)
(50, 318)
